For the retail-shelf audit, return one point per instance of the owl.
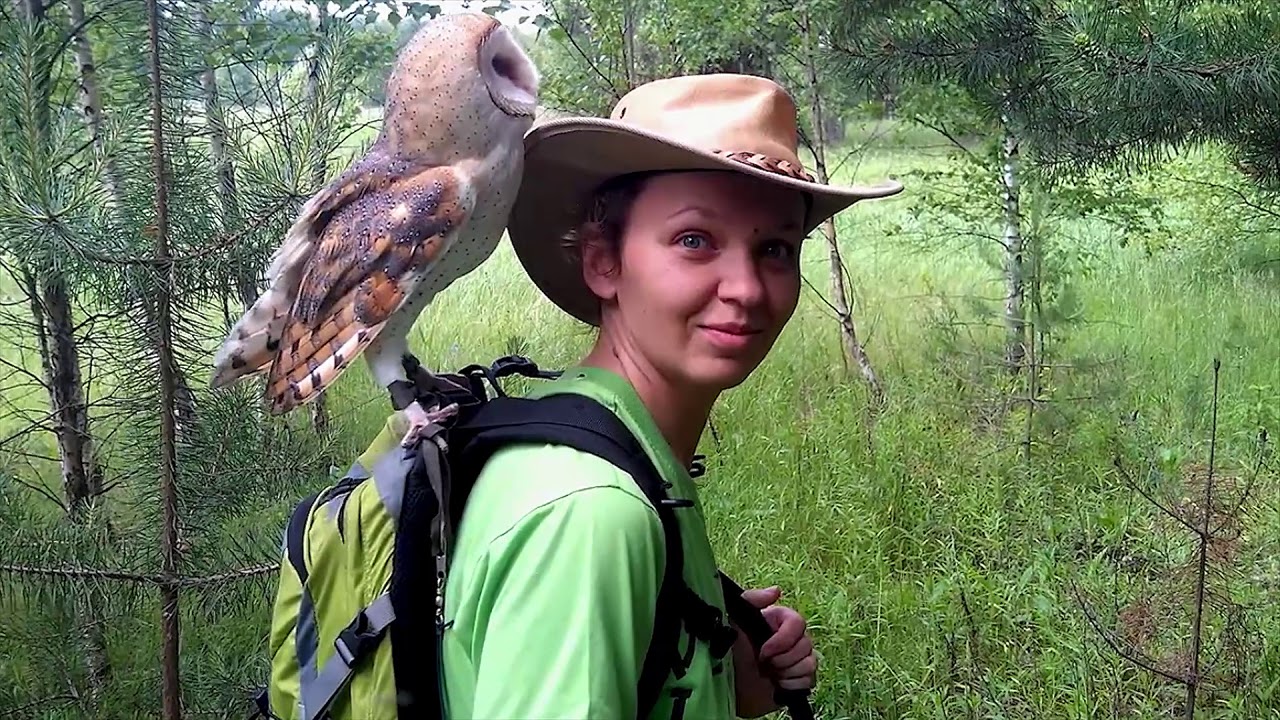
(425, 205)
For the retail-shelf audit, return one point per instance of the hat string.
(766, 163)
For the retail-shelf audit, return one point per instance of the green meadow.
(934, 557)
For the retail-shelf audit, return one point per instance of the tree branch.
(1128, 653)
(42, 491)
(69, 573)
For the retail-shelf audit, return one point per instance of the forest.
(1011, 458)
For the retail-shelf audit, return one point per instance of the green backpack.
(366, 558)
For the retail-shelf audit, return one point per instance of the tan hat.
(694, 122)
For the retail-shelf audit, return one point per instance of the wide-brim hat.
(742, 123)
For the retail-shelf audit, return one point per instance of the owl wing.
(368, 259)
(250, 347)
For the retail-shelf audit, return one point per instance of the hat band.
(766, 163)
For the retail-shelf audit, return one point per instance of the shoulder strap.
(582, 423)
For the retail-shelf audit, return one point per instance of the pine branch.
(155, 579)
(228, 239)
(239, 574)
(22, 710)
(94, 573)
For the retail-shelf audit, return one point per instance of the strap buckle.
(262, 706)
(357, 638)
(705, 622)
(512, 364)
(503, 367)
(698, 467)
(430, 388)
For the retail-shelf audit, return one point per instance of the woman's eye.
(780, 250)
(692, 241)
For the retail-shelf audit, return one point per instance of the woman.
(675, 228)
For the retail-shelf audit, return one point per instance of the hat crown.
(720, 112)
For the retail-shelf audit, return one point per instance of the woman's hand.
(787, 658)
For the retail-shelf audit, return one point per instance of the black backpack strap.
(751, 621)
(415, 634)
(423, 525)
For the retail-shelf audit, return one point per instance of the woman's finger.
(790, 657)
(800, 676)
(790, 628)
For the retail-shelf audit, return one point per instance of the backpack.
(365, 558)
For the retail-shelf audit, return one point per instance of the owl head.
(462, 79)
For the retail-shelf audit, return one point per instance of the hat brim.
(565, 160)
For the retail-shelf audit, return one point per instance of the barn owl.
(425, 205)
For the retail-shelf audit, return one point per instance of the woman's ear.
(600, 267)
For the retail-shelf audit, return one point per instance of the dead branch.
(1131, 654)
(73, 573)
(22, 710)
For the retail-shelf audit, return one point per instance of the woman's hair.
(605, 215)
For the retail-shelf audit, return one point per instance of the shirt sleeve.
(564, 604)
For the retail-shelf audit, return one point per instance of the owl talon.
(420, 419)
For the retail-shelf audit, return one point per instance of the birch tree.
(803, 67)
(38, 193)
(989, 54)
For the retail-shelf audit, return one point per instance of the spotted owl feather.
(369, 261)
(355, 258)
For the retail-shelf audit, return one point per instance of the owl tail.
(251, 346)
(311, 359)
(254, 341)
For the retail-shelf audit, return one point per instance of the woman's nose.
(740, 279)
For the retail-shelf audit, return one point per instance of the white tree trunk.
(246, 279)
(1011, 238)
(91, 98)
(82, 476)
(31, 9)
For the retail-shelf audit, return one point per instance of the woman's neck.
(680, 413)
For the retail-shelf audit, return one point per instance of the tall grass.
(931, 561)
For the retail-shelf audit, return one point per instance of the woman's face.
(708, 275)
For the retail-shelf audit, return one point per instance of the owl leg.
(389, 360)
(421, 418)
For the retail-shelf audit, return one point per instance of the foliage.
(1133, 81)
(935, 565)
(600, 49)
(237, 472)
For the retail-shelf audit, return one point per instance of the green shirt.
(555, 573)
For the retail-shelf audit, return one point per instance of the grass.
(932, 562)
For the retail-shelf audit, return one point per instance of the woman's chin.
(721, 373)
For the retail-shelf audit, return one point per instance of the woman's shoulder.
(528, 484)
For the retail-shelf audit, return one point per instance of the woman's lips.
(729, 336)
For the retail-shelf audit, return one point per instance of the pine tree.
(1133, 82)
(194, 516)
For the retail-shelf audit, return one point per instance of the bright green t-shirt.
(554, 577)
